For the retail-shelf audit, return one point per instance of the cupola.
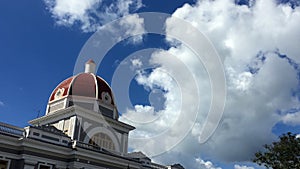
(86, 90)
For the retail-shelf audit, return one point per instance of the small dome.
(85, 85)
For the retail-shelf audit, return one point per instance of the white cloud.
(178, 112)
(298, 136)
(206, 164)
(2, 103)
(90, 14)
(149, 122)
(240, 34)
(259, 83)
(292, 118)
(136, 63)
(242, 167)
(134, 25)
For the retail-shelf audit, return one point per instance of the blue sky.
(40, 44)
(37, 54)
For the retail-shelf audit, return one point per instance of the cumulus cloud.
(292, 118)
(208, 164)
(259, 83)
(168, 126)
(136, 63)
(134, 25)
(90, 14)
(251, 41)
(242, 167)
(141, 116)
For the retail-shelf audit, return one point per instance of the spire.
(90, 66)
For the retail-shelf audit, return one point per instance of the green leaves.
(283, 154)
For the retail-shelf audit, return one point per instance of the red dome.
(83, 84)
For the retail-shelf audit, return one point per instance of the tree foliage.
(282, 154)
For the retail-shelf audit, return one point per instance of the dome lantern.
(90, 66)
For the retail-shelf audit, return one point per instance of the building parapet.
(48, 134)
(11, 130)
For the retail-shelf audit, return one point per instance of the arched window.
(102, 140)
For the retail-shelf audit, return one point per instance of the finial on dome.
(90, 66)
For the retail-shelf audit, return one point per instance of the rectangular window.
(44, 166)
(36, 134)
(4, 164)
(50, 138)
(66, 125)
